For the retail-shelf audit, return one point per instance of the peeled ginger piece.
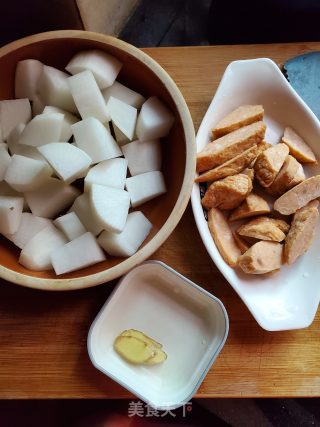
(79, 253)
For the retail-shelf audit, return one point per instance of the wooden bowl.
(143, 74)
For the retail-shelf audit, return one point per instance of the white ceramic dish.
(191, 324)
(288, 299)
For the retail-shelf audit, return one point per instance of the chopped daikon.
(29, 226)
(87, 96)
(112, 172)
(27, 76)
(36, 254)
(50, 199)
(142, 156)
(82, 207)
(26, 174)
(145, 187)
(37, 105)
(110, 206)
(154, 121)
(6, 190)
(10, 214)
(123, 115)
(69, 162)
(103, 66)
(125, 94)
(93, 138)
(4, 161)
(130, 239)
(120, 137)
(69, 119)
(42, 129)
(12, 112)
(54, 90)
(79, 253)
(14, 135)
(70, 225)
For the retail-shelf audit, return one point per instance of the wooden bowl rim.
(182, 201)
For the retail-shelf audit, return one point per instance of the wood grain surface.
(43, 335)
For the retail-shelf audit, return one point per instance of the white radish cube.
(129, 96)
(38, 105)
(110, 206)
(6, 190)
(14, 135)
(51, 199)
(29, 226)
(145, 187)
(70, 225)
(93, 138)
(79, 253)
(36, 254)
(10, 214)
(87, 96)
(154, 121)
(69, 119)
(112, 172)
(42, 129)
(123, 115)
(130, 239)
(142, 156)
(54, 90)
(12, 112)
(103, 66)
(69, 162)
(27, 76)
(26, 174)
(82, 207)
(120, 137)
(4, 161)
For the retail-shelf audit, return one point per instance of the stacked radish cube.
(78, 151)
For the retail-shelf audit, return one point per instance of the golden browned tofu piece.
(298, 196)
(269, 163)
(241, 116)
(242, 244)
(249, 172)
(262, 228)
(223, 237)
(231, 167)
(227, 193)
(298, 147)
(287, 173)
(301, 232)
(229, 146)
(300, 176)
(261, 258)
(263, 145)
(253, 205)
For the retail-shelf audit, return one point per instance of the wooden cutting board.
(43, 335)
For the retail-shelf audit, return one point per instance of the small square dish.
(190, 323)
(289, 298)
